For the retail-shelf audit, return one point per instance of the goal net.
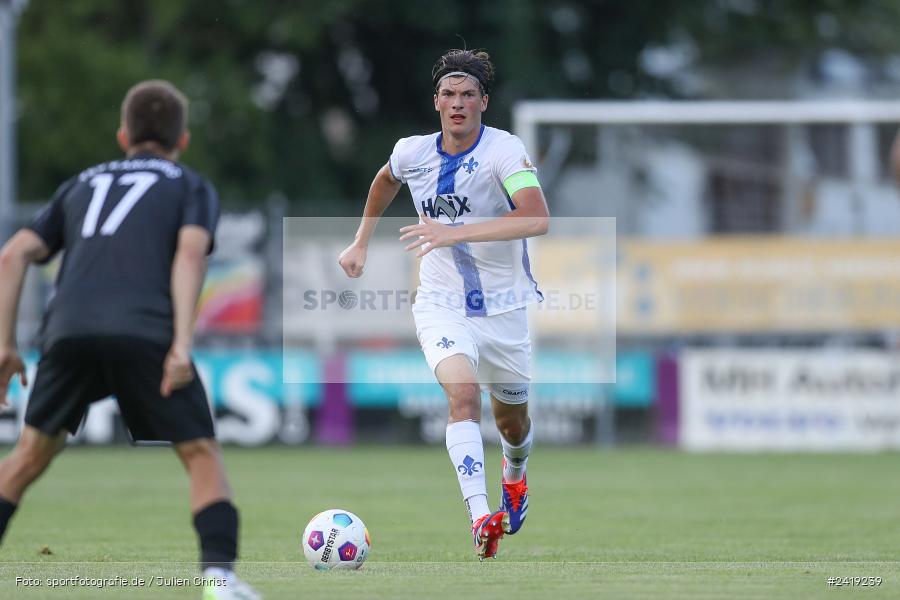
(687, 169)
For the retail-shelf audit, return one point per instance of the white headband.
(459, 74)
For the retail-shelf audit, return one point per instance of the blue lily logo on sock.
(469, 466)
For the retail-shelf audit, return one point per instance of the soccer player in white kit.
(478, 199)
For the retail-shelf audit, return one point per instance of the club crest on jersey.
(452, 206)
(470, 166)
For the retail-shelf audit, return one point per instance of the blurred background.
(741, 146)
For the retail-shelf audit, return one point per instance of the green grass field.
(614, 524)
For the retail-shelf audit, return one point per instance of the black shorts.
(80, 370)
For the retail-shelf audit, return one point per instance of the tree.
(305, 99)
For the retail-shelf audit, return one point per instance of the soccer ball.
(336, 539)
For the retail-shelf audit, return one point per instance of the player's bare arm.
(530, 218)
(188, 270)
(22, 249)
(382, 192)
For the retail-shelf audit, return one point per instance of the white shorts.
(499, 346)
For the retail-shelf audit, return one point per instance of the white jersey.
(479, 278)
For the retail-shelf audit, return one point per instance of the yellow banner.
(758, 284)
(577, 278)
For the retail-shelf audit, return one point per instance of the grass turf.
(616, 524)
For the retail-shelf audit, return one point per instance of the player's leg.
(505, 346)
(516, 437)
(464, 444)
(202, 459)
(449, 348)
(134, 369)
(66, 382)
(29, 458)
(215, 517)
(456, 374)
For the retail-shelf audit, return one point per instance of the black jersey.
(117, 224)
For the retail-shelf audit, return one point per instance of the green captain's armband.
(517, 181)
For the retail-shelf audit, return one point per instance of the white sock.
(477, 506)
(517, 456)
(466, 451)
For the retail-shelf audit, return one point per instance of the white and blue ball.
(336, 539)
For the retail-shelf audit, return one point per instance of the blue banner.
(635, 385)
(381, 379)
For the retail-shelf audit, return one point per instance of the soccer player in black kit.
(135, 234)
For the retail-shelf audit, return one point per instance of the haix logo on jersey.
(452, 206)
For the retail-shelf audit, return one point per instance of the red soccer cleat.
(488, 531)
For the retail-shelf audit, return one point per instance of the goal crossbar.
(528, 114)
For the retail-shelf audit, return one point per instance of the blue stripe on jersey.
(447, 176)
(526, 263)
(465, 264)
(462, 254)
